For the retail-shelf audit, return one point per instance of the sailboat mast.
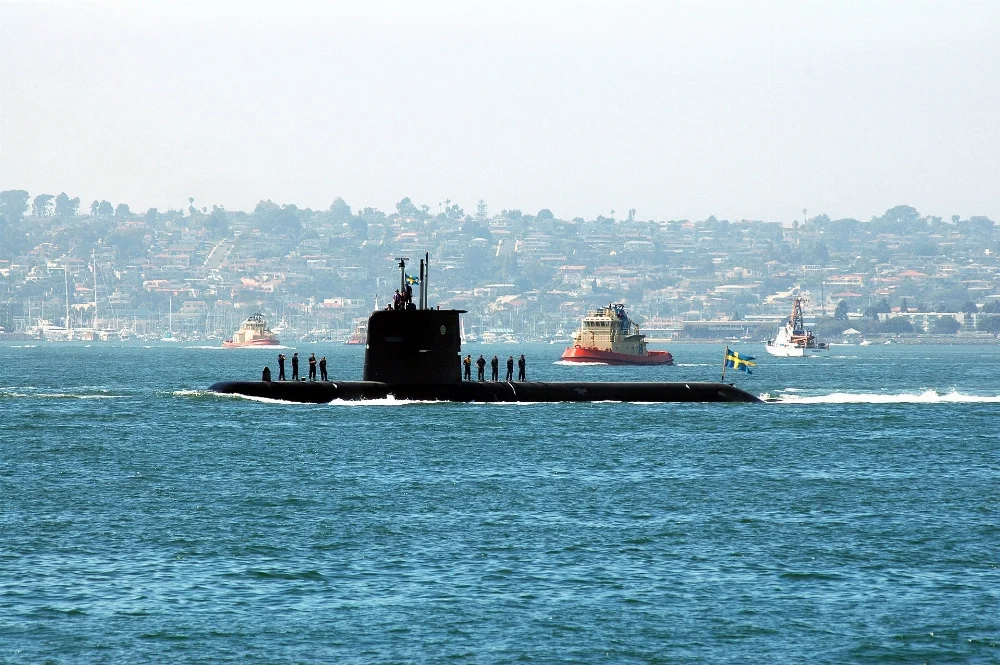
(94, 263)
(69, 326)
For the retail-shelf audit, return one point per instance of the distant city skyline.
(742, 110)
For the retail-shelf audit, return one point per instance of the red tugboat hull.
(257, 342)
(581, 355)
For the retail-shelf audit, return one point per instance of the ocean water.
(853, 520)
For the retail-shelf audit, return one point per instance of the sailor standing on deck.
(322, 368)
(520, 368)
(510, 368)
(295, 367)
(495, 369)
(467, 363)
(481, 364)
(281, 367)
(312, 366)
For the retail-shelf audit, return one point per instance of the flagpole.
(725, 357)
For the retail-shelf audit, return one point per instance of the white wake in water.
(924, 397)
(572, 363)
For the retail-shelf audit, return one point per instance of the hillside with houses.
(198, 272)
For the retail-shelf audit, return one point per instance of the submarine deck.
(319, 392)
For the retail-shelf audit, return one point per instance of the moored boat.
(253, 332)
(607, 335)
(794, 340)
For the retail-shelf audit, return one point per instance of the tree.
(42, 205)
(946, 325)
(454, 212)
(903, 307)
(65, 206)
(218, 222)
(881, 307)
(359, 228)
(481, 210)
(990, 324)
(406, 208)
(151, 216)
(272, 218)
(13, 205)
(122, 211)
(897, 324)
(969, 307)
(992, 307)
(94, 207)
(340, 211)
(631, 215)
(900, 219)
(840, 314)
(105, 209)
(545, 213)
(191, 209)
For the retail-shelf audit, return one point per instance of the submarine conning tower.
(410, 346)
(414, 344)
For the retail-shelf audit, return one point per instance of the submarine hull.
(319, 392)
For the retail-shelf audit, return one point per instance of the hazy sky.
(749, 110)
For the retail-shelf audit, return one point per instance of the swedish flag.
(412, 280)
(741, 363)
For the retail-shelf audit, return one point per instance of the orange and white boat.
(360, 333)
(607, 335)
(253, 332)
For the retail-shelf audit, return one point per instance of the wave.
(573, 363)
(34, 395)
(924, 397)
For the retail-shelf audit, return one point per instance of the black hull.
(319, 392)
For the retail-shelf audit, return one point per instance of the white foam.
(924, 397)
(571, 363)
(4, 393)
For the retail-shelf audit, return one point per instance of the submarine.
(414, 353)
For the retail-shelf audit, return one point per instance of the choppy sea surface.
(853, 520)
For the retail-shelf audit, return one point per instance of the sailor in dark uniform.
(495, 369)
(467, 363)
(520, 368)
(266, 375)
(481, 364)
(295, 367)
(510, 368)
(312, 366)
(322, 369)
(281, 367)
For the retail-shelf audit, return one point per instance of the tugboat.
(607, 335)
(414, 353)
(253, 332)
(793, 339)
(360, 333)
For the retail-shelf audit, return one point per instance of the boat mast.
(93, 257)
(69, 326)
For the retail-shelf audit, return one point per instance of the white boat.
(793, 339)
